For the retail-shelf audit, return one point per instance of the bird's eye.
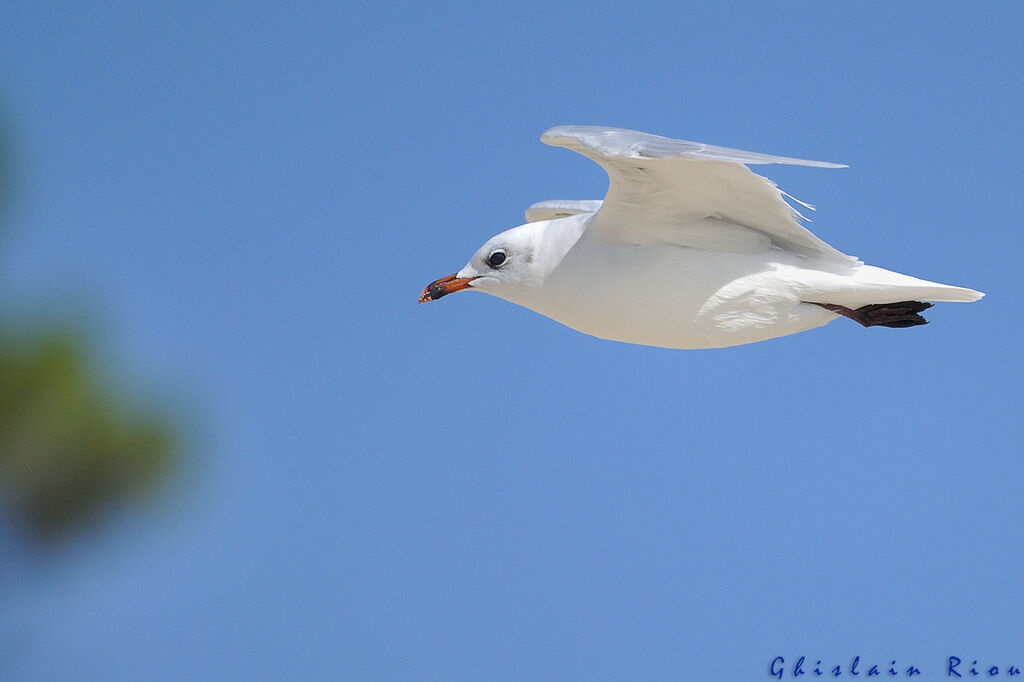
(496, 258)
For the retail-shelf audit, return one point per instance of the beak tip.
(429, 293)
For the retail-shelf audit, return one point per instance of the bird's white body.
(679, 297)
(689, 249)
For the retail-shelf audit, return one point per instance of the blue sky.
(247, 201)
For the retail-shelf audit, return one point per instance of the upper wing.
(560, 208)
(689, 193)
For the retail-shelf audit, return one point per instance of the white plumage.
(689, 249)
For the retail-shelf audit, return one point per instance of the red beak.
(444, 286)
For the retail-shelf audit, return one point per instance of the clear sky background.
(247, 201)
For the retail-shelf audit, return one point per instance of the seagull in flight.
(688, 249)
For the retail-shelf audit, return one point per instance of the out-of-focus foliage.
(69, 447)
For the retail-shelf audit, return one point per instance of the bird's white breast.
(676, 297)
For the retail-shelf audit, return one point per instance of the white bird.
(689, 249)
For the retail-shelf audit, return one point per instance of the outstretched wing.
(560, 208)
(690, 194)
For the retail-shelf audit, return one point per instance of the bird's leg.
(899, 314)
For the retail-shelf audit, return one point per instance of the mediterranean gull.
(689, 249)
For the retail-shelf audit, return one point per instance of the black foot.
(900, 314)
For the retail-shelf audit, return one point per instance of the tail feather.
(880, 284)
(951, 294)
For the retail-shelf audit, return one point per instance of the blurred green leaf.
(68, 448)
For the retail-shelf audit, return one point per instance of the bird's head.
(508, 266)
